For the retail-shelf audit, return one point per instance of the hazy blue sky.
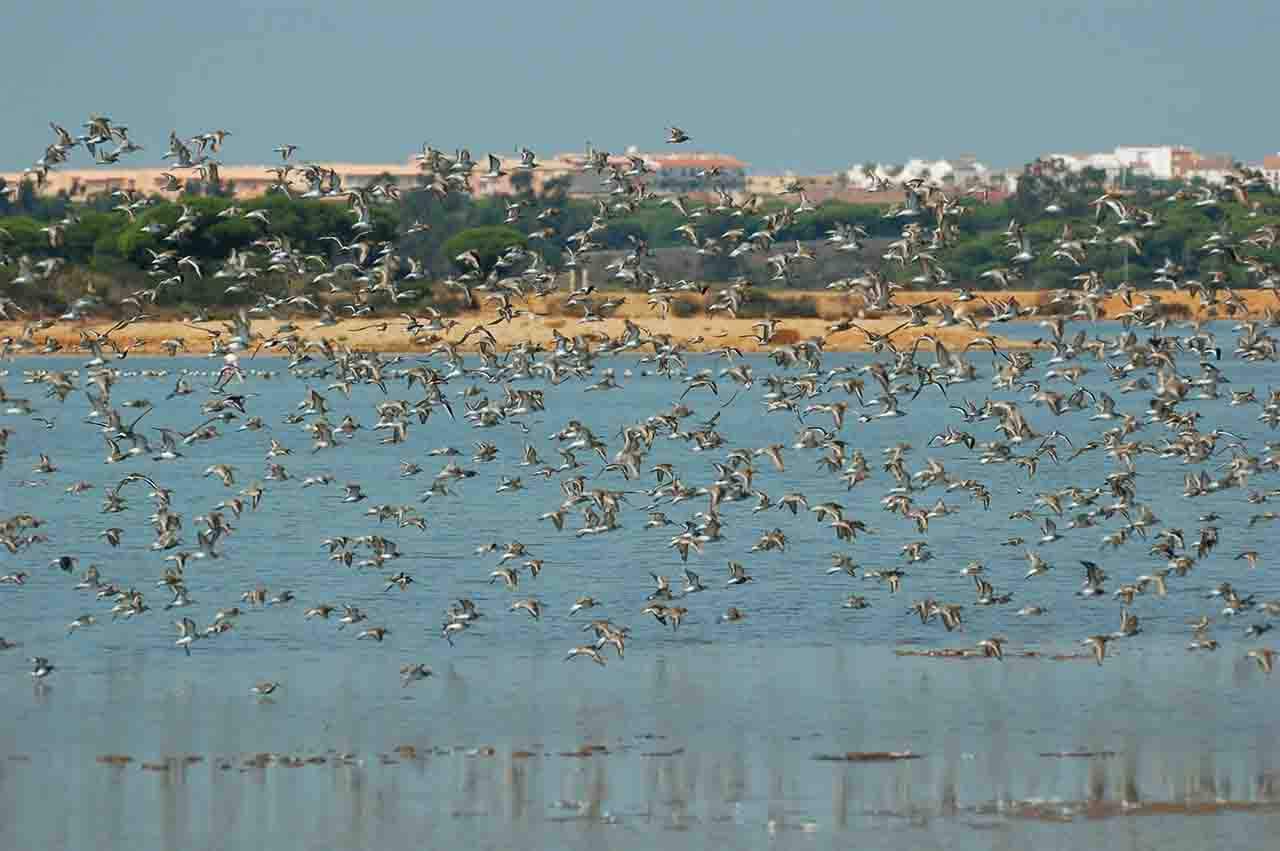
(804, 85)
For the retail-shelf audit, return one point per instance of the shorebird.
(663, 589)
(530, 605)
(580, 604)
(187, 634)
(587, 651)
(80, 623)
(737, 574)
(1098, 644)
(1128, 625)
(1264, 656)
(1038, 567)
(400, 580)
(692, 583)
(264, 688)
(350, 615)
(452, 628)
(508, 575)
(223, 472)
(412, 673)
(992, 648)
(841, 563)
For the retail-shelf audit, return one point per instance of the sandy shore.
(692, 333)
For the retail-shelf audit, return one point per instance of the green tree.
(488, 242)
(26, 197)
(522, 183)
(555, 191)
(24, 237)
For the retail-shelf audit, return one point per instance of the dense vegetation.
(107, 247)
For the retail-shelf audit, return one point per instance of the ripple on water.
(506, 733)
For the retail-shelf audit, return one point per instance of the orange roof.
(1271, 161)
(691, 159)
(695, 161)
(234, 172)
(1213, 161)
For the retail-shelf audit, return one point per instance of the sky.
(805, 86)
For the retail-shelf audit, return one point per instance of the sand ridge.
(697, 333)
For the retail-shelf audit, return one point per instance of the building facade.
(696, 172)
(963, 171)
(1159, 162)
(690, 173)
(1153, 160)
(1211, 168)
(1271, 170)
(242, 181)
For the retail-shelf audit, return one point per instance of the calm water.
(711, 731)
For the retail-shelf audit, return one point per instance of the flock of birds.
(602, 478)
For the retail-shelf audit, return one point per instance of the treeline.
(101, 238)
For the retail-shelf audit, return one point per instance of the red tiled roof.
(698, 162)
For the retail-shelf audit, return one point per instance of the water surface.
(706, 735)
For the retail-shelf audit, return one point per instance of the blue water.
(710, 729)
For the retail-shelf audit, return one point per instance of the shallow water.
(710, 731)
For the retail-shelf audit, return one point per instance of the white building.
(1154, 160)
(1211, 176)
(1160, 162)
(1110, 164)
(964, 170)
(1271, 170)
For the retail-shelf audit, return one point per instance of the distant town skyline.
(814, 90)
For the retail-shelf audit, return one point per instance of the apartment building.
(243, 181)
(1271, 170)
